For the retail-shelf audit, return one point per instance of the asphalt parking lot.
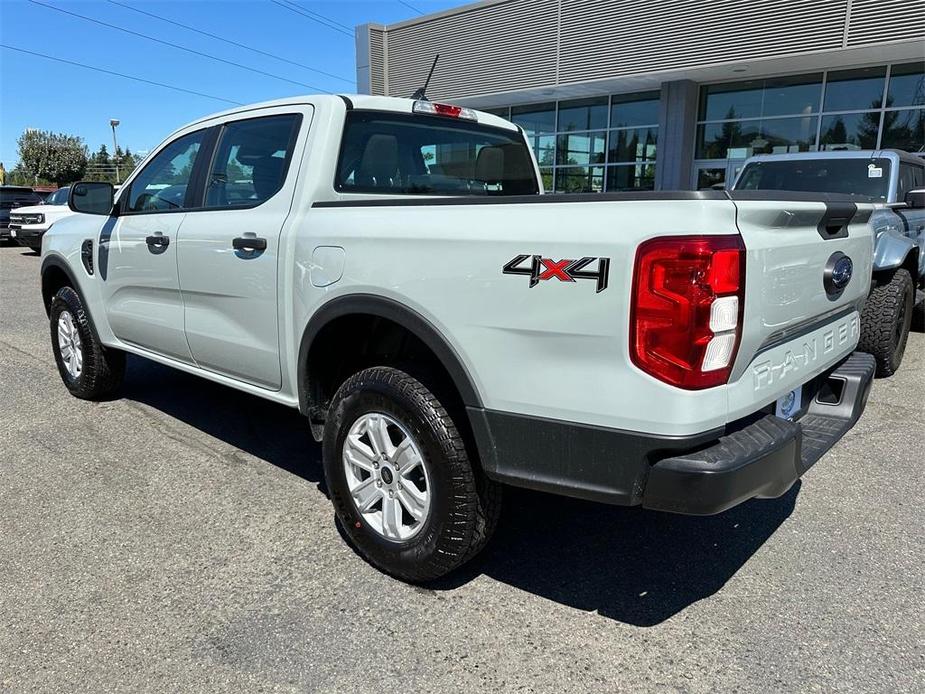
(178, 538)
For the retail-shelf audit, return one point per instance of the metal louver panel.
(607, 39)
(876, 21)
(499, 46)
(377, 61)
(488, 48)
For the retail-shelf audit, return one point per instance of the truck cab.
(893, 179)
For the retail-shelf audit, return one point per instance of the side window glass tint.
(251, 160)
(906, 181)
(162, 183)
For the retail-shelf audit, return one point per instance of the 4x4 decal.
(539, 268)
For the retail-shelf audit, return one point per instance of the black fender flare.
(383, 307)
(60, 263)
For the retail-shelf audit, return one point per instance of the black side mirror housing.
(915, 199)
(91, 197)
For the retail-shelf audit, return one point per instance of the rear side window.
(394, 153)
(868, 178)
(251, 160)
(163, 182)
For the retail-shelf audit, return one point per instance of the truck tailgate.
(802, 299)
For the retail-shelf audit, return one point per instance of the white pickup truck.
(393, 269)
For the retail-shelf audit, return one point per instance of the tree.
(55, 157)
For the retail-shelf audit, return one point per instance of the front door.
(229, 251)
(138, 252)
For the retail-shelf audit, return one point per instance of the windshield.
(395, 153)
(869, 178)
(18, 197)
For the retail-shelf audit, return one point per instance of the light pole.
(115, 147)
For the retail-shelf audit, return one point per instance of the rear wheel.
(400, 478)
(89, 370)
(886, 321)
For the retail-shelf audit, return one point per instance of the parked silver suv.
(894, 178)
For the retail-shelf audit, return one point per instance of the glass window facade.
(862, 108)
(611, 143)
(593, 145)
(855, 90)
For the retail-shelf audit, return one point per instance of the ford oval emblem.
(841, 273)
(837, 275)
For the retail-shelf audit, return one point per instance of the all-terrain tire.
(886, 320)
(464, 504)
(101, 368)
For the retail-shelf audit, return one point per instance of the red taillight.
(686, 315)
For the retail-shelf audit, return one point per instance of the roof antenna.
(421, 93)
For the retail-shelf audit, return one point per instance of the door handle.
(157, 242)
(249, 243)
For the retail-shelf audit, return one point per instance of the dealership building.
(650, 94)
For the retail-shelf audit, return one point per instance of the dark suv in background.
(12, 197)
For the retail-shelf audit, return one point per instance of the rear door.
(228, 252)
(138, 250)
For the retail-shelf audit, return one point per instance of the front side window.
(59, 197)
(394, 153)
(250, 163)
(162, 184)
(911, 177)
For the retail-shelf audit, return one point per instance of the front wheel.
(886, 321)
(89, 370)
(400, 478)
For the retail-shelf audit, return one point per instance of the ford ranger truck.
(895, 180)
(393, 269)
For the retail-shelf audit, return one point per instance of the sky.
(36, 92)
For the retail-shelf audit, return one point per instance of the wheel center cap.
(387, 476)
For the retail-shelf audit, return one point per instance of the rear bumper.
(761, 456)
(764, 458)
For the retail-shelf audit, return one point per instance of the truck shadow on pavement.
(634, 566)
(269, 431)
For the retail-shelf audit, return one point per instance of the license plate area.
(789, 405)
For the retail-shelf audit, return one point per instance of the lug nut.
(375, 465)
(391, 494)
(378, 483)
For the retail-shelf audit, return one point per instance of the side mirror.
(91, 197)
(915, 199)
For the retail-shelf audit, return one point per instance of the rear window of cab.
(415, 154)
